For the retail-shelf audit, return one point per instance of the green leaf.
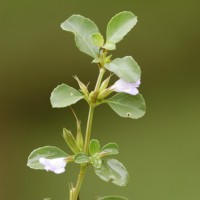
(112, 198)
(114, 171)
(119, 26)
(64, 95)
(81, 158)
(127, 105)
(48, 152)
(94, 146)
(97, 39)
(109, 149)
(96, 161)
(82, 28)
(110, 46)
(125, 68)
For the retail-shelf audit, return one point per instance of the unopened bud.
(79, 136)
(82, 86)
(104, 84)
(70, 140)
(104, 94)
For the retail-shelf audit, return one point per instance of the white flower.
(56, 165)
(127, 87)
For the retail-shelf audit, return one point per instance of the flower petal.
(123, 86)
(56, 165)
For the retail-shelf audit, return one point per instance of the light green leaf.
(114, 171)
(97, 39)
(82, 28)
(119, 26)
(81, 158)
(48, 152)
(127, 105)
(96, 161)
(125, 68)
(112, 198)
(64, 95)
(110, 46)
(94, 146)
(109, 149)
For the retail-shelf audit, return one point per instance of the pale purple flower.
(127, 87)
(56, 165)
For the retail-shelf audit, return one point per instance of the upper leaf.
(114, 171)
(109, 149)
(112, 198)
(64, 95)
(94, 146)
(97, 39)
(127, 105)
(48, 152)
(119, 26)
(125, 68)
(82, 28)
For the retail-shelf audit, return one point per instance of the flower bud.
(104, 94)
(70, 140)
(104, 84)
(82, 86)
(79, 136)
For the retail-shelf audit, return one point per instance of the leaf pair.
(124, 105)
(88, 38)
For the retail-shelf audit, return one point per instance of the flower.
(127, 87)
(56, 165)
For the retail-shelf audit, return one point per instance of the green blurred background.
(161, 150)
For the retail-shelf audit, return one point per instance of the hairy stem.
(87, 137)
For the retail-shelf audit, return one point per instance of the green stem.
(99, 80)
(87, 137)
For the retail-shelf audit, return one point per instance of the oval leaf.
(96, 161)
(64, 95)
(97, 39)
(82, 28)
(94, 146)
(119, 26)
(125, 68)
(109, 149)
(112, 198)
(81, 158)
(48, 152)
(114, 171)
(127, 105)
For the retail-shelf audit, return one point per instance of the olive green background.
(161, 150)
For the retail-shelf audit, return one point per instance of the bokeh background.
(161, 150)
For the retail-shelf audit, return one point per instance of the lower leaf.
(114, 171)
(48, 152)
(112, 198)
